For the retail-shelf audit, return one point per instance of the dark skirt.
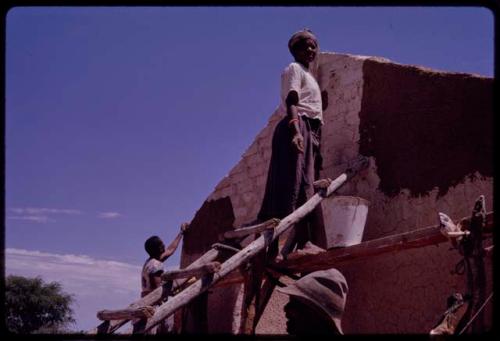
(291, 174)
(290, 182)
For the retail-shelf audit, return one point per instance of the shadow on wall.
(214, 217)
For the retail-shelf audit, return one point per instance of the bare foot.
(310, 249)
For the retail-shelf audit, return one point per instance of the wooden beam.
(129, 313)
(198, 271)
(298, 262)
(109, 327)
(404, 241)
(252, 249)
(220, 246)
(473, 251)
(245, 231)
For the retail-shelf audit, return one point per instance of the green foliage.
(34, 306)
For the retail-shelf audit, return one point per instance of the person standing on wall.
(296, 159)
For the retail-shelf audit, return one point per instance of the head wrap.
(326, 290)
(301, 35)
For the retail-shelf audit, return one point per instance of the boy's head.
(303, 45)
(154, 246)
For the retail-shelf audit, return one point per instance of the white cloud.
(43, 210)
(38, 215)
(97, 284)
(37, 219)
(109, 215)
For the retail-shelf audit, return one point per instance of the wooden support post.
(252, 249)
(245, 231)
(251, 298)
(198, 271)
(130, 313)
(473, 251)
(248, 305)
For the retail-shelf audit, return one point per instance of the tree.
(32, 305)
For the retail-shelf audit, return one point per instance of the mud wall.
(429, 138)
(213, 218)
(413, 123)
(425, 128)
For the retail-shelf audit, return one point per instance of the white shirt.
(151, 267)
(297, 77)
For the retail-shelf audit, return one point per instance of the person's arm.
(155, 279)
(293, 120)
(174, 244)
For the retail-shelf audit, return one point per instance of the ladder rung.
(245, 231)
(199, 271)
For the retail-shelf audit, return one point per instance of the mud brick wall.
(428, 135)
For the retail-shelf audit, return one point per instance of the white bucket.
(344, 220)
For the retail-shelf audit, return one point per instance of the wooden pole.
(245, 231)
(248, 304)
(473, 251)
(252, 249)
(130, 313)
(297, 262)
(404, 241)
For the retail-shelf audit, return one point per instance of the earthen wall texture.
(428, 136)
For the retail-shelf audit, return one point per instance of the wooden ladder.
(209, 272)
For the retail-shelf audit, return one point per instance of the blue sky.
(121, 121)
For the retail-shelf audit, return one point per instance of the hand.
(324, 99)
(322, 183)
(184, 227)
(298, 142)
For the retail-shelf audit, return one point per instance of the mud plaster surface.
(425, 129)
(405, 292)
(214, 217)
